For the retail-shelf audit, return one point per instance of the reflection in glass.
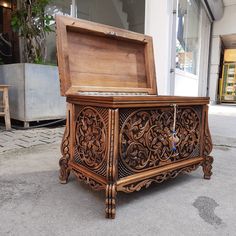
(187, 43)
(59, 7)
(119, 13)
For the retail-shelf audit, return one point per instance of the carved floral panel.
(145, 137)
(90, 138)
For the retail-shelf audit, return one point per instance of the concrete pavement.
(222, 123)
(32, 202)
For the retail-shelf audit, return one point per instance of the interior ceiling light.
(5, 4)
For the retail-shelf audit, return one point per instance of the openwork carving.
(145, 137)
(91, 138)
(157, 179)
(91, 182)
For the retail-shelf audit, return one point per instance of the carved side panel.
(94, 184)
(207, 148)
(91, 135)
(65, 150)
(207, 136)
(145, 137)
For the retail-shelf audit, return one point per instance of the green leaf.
(31, 23)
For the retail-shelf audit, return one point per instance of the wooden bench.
(4, 106)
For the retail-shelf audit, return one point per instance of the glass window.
(55, 7)
(119, 13)
(82, 9)
(59, 7)
(187, 43)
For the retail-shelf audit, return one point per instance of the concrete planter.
(34, 93)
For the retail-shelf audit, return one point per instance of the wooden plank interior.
(96, 57)
(105, 62)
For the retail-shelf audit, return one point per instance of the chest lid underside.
(99, 58)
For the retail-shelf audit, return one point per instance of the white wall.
(158, 16)
(225, 26)
(214, 68)
(186, 84)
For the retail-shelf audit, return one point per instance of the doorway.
(191, 52)
(8, 41)
(227, 72)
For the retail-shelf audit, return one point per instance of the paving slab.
(18, 139)
(222, 123)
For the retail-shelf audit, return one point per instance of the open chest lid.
(99, 58)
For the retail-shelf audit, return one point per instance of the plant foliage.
(33, 24)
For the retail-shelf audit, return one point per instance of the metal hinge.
(112, 33)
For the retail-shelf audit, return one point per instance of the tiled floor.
(221, 120)
(16, 139)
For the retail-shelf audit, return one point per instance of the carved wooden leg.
(112, 171)
(65, 151)
(64, 170)
(207, 166)
(110, 201)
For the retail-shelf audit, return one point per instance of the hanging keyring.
(174, 122)
(174, 138)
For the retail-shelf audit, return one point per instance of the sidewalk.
(33, 202)
(18, 139)
(222, 123)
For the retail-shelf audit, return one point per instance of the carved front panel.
(91, 138)
(146, 137)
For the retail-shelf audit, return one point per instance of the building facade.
(188, 36)
(180, 29)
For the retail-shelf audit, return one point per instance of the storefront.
(227, 82)
(222, 81)
(181, 31)
(125, 14)
(192, 48)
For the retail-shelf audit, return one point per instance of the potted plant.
(33, 25)
(34, 94)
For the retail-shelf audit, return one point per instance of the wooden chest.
(120, 135)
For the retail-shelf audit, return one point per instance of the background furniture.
(4, 106)
(228, 81)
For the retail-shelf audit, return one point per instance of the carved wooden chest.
(120, 135)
